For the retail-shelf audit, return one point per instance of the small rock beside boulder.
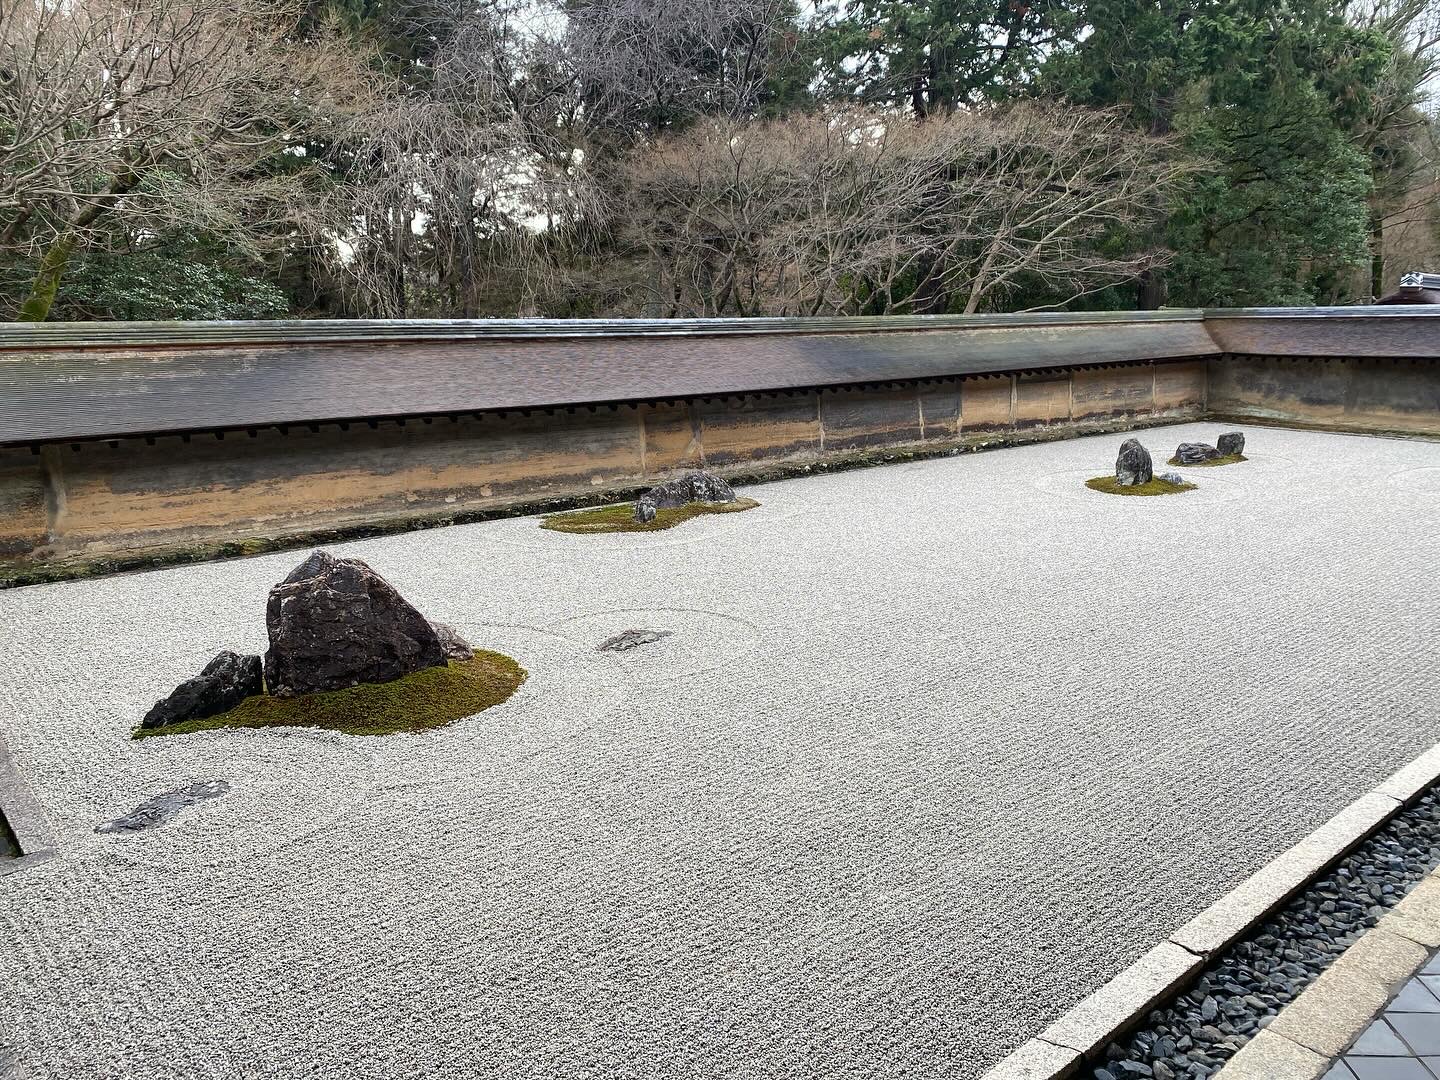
(455, 646)
(1232, 442)
(225, 682)
(1194, 453)
(1171, 478)
(701, 487)
(1133, 466)
(335, 623)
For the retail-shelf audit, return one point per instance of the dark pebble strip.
(1243, 989)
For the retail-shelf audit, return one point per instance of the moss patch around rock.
(604, 519)
(1156, 486)
(426, 699)
(1228, 459)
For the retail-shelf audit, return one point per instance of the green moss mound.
(1156, 486)
(605, 519)
(1227, 459)
(426, 699)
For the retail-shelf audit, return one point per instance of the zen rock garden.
(347, 652)
(1135, 471)
(662, 507)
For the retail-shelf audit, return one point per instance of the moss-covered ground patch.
(1156, 486)
(426, 699)
(1227, 459)
(621, 518)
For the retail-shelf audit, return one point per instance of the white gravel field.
(934, 750)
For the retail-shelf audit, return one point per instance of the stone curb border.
(24, 816)
(1316, 1027)
(1081, 1035)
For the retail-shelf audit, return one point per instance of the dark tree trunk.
(46, 285)
(1377, 254)
(1150, 290)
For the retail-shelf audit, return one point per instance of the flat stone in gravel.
(630, 639)
(161, 808)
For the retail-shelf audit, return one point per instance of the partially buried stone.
(225, 682)
(455, 646)
(695, 487)
(335, 623)
(629, 639)
(1194, 453)
(1171, 478)
(1232, 442)
(1133, 466)
(164, 806)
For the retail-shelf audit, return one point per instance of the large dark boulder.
(1133, 466)
(701, 487)
(1195, 453)
(1232, 442)
(225, 682)
(335, 623)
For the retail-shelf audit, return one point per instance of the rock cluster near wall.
(1189, 453)
(695, 487)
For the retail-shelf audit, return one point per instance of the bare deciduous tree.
(654, 64)
(159, 111)
(474, 174)
(860, 212)
(1396, 132)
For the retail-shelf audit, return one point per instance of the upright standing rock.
(693, 487)
(1133, 466)
(1232, 442)
(335, 623)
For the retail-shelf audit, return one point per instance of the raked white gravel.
(934, 750)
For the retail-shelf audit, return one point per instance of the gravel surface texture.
(1245, 989)
(931, 752)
